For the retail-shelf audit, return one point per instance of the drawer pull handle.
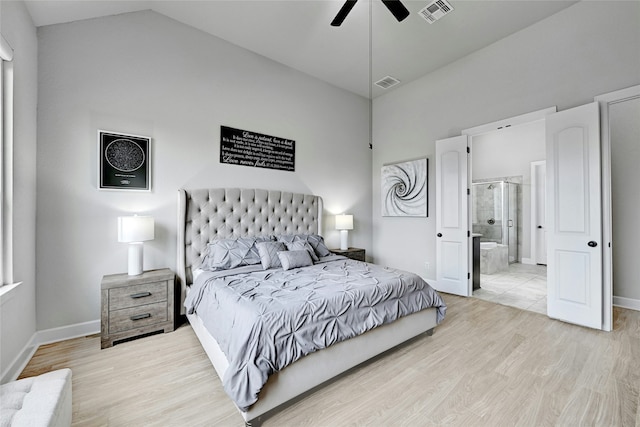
(141, 316)
(141, 295)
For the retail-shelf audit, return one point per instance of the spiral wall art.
(404, 189)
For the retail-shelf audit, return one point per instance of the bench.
(44, 400)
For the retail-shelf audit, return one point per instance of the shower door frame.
(505, 215)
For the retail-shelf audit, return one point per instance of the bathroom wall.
(492, 206)
(507, 154)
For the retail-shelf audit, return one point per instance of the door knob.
(592, 244)
(439, 234)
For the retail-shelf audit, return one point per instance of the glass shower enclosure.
(495, 214)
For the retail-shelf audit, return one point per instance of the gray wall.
(588, 49)
(18, 314)
(624, 118)
(146, 74)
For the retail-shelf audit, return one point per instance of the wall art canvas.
(124, 162)
(404, 189)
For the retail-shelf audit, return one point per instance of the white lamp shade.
(344, 222)
(135, 228)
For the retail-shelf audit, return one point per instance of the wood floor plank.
(485, 365)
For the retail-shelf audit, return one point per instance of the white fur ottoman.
(44, 400)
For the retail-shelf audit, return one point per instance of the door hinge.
(469, 150)
(468, 276)
(468, 233)
(468, 192)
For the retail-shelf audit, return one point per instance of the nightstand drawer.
(132, 296)
(133, 306)
(137, 317)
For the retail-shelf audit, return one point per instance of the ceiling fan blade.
(344, 11)
(397, 8)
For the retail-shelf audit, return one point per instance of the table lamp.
(135, 230)
(344, 223)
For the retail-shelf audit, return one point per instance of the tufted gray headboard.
(221, 213)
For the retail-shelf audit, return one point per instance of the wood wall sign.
(246, 148)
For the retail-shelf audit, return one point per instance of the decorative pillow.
(269, 254)
(231, 253)
(302, 245)
(316, 242)
(294, 259)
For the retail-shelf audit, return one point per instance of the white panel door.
(574, 230)
(538, 217)
(452, 216)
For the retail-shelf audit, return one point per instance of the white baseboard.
(17, 366)
(62, 333)
(630, 303)
(47, 336)
(527, 261)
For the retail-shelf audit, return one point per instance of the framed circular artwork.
(124, 161)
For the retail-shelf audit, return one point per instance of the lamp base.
(135, 258)
(344, 237)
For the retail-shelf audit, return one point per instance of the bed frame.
(208, 214)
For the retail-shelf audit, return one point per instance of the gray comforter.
(264, 320)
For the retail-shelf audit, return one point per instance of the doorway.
(507, 198)
(579, 281)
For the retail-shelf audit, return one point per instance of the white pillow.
(294, 259)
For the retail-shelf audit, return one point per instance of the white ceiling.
(297, 32)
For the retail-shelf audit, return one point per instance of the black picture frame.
(124, 161)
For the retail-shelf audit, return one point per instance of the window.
(6, 162)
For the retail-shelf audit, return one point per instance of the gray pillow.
(294, 259)
(302, 245)
(269, 254)
(225, 254)
(316, 242)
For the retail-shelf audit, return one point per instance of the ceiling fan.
(395, 7)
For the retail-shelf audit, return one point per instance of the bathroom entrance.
(502, 216)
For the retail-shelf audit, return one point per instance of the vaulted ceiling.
(297, 33)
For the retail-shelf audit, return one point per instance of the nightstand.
(353, 253)
(136, 305)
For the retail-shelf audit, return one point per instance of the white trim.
(604, 101)
(6, 172)
(63, 333)
(619, 95)
(47, 336)
(432, 282)
(528, 261)
(630, 303)
(6, 52)
(7, 292)
(20, 362)
(509, 122)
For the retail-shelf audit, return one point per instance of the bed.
(218, 215)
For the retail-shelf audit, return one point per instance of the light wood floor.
(485, 365)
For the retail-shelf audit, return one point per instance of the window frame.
(6, 165)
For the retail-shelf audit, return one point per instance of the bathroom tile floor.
(523, 286)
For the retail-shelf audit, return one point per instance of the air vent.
(387, 82)
(435, 10)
